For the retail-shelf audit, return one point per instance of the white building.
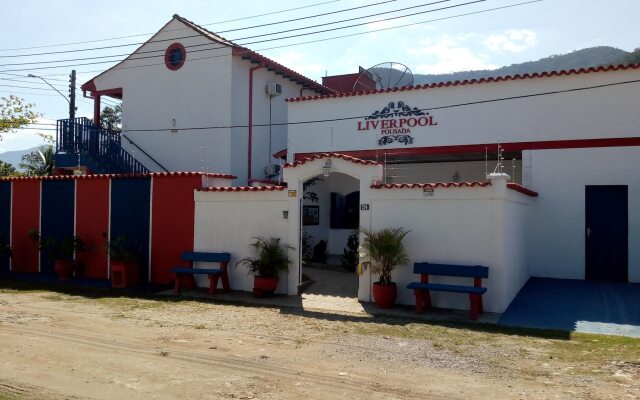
(186, 77)
(416, 157)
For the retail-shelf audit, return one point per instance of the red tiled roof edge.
(320, 156)
(430, 185)
(242, 189)
(522, 189)
(116, 176)
(580, 71)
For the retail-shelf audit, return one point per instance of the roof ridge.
(474, 81)
(212, 35)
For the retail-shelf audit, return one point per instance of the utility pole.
(72, 95)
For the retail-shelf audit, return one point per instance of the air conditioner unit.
(272, 170)
(273, 89)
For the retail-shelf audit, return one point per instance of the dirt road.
(57, 346)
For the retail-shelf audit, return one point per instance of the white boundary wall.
(468, 226)
(228, 222)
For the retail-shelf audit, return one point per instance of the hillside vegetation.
(590, 57)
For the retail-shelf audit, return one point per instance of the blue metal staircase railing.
(101, 146)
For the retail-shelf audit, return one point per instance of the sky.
(439, 41)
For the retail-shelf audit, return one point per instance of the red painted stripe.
(25, 213)
(92, 220)
(480, 148)
(172, 223)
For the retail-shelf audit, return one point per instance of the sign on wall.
(395, 122)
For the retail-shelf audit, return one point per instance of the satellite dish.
(385, 75)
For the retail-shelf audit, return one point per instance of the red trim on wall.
(172, 224)
(522, 189)
(92, 220)
(308, 157)
(480, 148)
(243, 189)
(116, 176)
(167, 56)
(25, 214)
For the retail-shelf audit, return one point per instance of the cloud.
(449, 54)
(299, 62)
(511, 41)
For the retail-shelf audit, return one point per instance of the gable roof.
(237, 50)
(517, 77)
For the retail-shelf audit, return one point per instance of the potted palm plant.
(271, 257)
(383, 251)
(61, 252)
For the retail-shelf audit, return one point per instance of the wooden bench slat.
(463, 271)
(198, 256)
(440, 287)
(194, 271)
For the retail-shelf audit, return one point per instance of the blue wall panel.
(130, 217)
(5, 221)
(57, 213)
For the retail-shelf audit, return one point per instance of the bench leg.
(419, 302)
(213, 284)
(177, 283)
(225, 281)
(426, 300)
(481, 307)
(474, 299)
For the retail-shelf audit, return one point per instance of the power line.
(525, 96)
(335, 37)
(198, 35)
(254, 42)
(217, 46)
(169, 30)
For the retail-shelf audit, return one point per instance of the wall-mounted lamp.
(285, 214)
(173, 126)
(326, 170)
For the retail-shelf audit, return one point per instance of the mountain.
(590, 57)
(15, 157)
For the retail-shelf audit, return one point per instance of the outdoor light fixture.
(326, 170)
(285, 214)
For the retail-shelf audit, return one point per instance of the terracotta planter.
(264, 285)
(124, 274)
(64, 269)
(385, 295)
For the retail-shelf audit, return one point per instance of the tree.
(39, 162)
(631, 58)
(7, 169)
(111, 117)
(15, 113)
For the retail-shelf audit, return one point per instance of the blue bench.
(191, 257)
(423, 288)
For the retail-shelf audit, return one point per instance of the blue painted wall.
(5, 221)
(57, 213)
(130, 216)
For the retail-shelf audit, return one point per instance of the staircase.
(80, 142)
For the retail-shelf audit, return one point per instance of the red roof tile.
(242, 189)
(621, 67)
(522, 189)
(430, 185)
(116, 176)
(320, 156)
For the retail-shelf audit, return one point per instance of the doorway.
(606, 233)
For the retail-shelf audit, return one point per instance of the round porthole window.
(175, 56)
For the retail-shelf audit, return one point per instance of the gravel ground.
(137, 348)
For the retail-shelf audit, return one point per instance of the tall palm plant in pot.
(383, 251)
(271, 257)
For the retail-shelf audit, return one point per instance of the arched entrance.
(346, 176)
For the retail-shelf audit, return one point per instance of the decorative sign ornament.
(395, 121)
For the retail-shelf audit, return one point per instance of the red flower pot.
(384, 295)
(264, 285)
(64, 269)
(124, 274)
